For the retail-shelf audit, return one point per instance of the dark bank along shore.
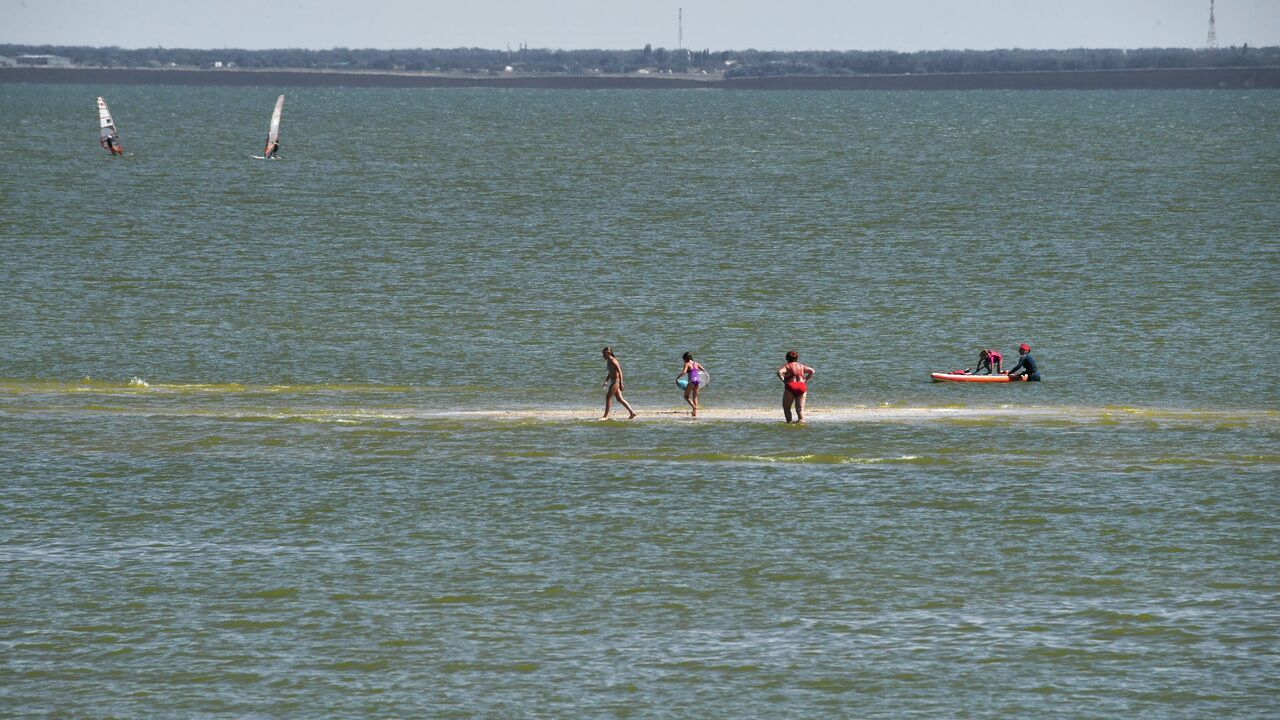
(1148, 79)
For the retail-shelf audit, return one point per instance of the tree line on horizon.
(730, 63)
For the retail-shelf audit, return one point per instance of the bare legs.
(609, 395)
(691, 397)
(788, 398)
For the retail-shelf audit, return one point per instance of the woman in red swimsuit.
(795, 378)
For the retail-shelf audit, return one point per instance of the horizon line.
(639, 49)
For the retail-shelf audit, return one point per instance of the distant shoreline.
(1138, 79)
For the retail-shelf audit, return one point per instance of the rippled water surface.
(316, 438)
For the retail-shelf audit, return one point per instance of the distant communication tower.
(1213, 30)
(680, 28)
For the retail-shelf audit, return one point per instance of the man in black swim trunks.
(1026, 368)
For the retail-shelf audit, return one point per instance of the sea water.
(316, 437)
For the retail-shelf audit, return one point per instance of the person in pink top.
(795, 377)
(991, 359)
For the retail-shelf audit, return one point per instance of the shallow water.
(316, 437)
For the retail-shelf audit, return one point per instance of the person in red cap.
(1026, 368)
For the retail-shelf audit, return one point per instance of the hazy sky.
(617, 24)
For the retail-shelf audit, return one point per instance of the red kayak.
(963, 377)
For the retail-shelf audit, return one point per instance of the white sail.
(108, 138)
(273, 133)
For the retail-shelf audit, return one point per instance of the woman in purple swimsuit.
(698, 376)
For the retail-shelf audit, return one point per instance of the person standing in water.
(613, 384)
(795, 378)
(1026, 368)
(697, 376)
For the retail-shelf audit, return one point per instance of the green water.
(316, 437)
